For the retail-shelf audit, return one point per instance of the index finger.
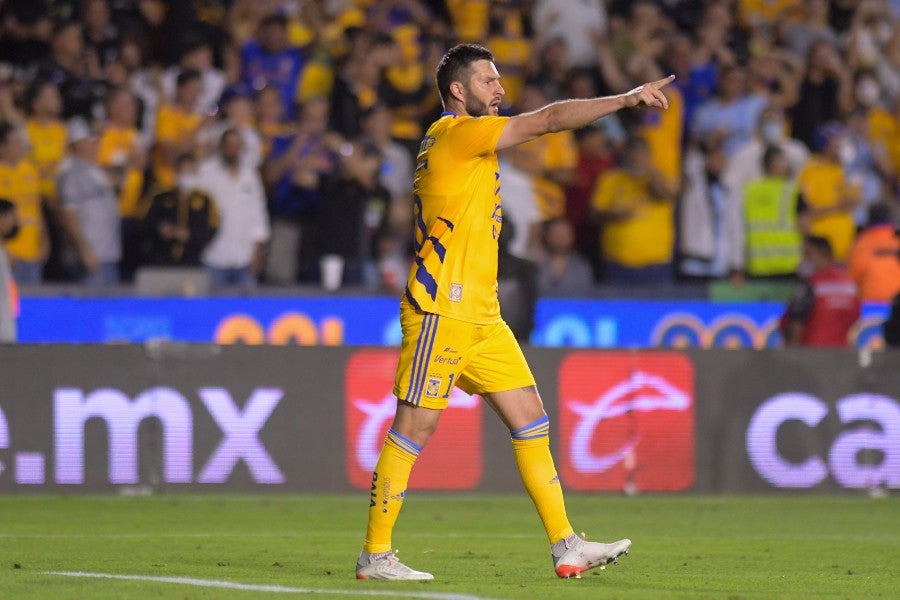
(663, 82)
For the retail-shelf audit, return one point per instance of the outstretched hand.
(649, 94)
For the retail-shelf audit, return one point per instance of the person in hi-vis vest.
(771, 204)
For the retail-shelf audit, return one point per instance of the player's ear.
(458, 91)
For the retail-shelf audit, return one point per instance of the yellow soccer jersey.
(21, 185)
(457, 220)
(48, 148)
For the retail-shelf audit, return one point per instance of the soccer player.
(450, 317)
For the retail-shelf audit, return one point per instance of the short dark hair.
(456, 63)
(187, 76)
(819, 244)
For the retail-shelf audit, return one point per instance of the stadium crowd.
(254, 137)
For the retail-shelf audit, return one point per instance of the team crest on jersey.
(455, 292)
(433, 388)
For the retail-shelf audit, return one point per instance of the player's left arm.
(572, 114)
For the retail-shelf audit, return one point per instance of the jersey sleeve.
(477, 136)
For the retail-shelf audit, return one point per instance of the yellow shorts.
(438, 353)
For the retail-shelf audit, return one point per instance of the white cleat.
(579, 555)
(386, 566)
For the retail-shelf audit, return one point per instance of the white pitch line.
(275, 589)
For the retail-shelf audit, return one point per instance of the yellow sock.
(532, 448)
(388, 490)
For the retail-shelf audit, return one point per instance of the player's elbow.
(552, 120)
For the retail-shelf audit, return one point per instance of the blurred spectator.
(634, 206)
(244, 17)
(662, 129)
(888, 69)
(797, 35)
(101, 36)
(177, 127)
(74, 70)
(353, 213)
(178, 223)
(237, 111)
(746, 163)
(874, 262)
(596, 155)
(553, 159)
(145, 82)
(46, 132)
(709, 216)
(236, 254)
(825, 92)
(46, 138)
(92, 210)
(718, 44)
(121, 151)
(166, 25)
(575, 22)
(519, 202)
(122, 154)
(26, 31)
(770, 207)
(763, 14)
(773, 72)
(866, 163)
(694, 78)
(871, 30)
(829, 198)
(392, 261)
(269, 59)
(9, 228)
(562, 271)
(196, 55)
(20, 183)
(884, 132)
(271, 123)
(470, 19)
(517, 286)
(732, 114)
(358, 80)
(506, 37)
(396, 163)
(826, 305)
(550, 67)
(293, 173)
(406, 89)
(396, 175)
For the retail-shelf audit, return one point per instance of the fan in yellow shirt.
(510, 46)
(46, 135)
(554, 158)
(635, 207)
(829, 198)
(453, 334)
(20, 183)
(120, 152)
(177, 125)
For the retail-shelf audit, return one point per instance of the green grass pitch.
(477, 546)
